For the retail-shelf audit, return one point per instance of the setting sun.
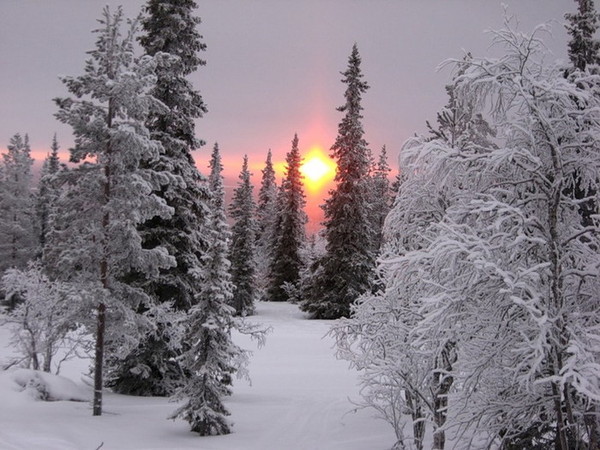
(317, 169)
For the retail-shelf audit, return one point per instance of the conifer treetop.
(268, 183)
(169, 25)
(171, 34)
(215, 180)
(356, 87)
(582, 26)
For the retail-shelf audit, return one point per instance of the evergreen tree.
(382, 197)
(217, 191)
(48, 191)
(287, 263)
(17, 234)
(584, 53)
(96, 242)
(267, 213)
(490, 308)
(210, 359)
(345, 271)
(243, 242)
(434, 179)
(170, 34)
(583, 47)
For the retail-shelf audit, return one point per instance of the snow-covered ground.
(298, 400)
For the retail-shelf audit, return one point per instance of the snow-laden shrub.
(42, 323)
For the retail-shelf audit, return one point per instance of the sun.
(317, 169)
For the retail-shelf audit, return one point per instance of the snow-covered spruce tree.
(170, 28)
(17, 212)
(266, 213)
(381, 198)
(287, 264)
(584, 48)
(243, 244)
(398, 372)
(345, 271)
(170, 33)
(96, 241)
(48, 191)
(584, 53)
(210, 360)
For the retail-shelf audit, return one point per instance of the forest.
(464, 291)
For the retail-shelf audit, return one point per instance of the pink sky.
(273, 66)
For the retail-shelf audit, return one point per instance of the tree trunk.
(99, 358)
(48, 359)
(13, 253)
(442, 383)
(50, 340)
(101, 319)
(35, 363)
(591, 422)
(418, 421)
(561, 435)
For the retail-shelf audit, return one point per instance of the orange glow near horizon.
(318, 169)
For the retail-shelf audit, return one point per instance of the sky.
(273, 68)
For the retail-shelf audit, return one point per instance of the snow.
(54, 387)
(299, 399)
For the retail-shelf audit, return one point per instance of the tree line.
(130, 243)
(470, 305)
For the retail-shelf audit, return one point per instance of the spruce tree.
(382, 197)
(96, 242)
(583, 47)
(243, 242)
(209, 360)
(48, 192)
(584, 53)
(266, 213)
(17, 235)
(287, 263)
(345, 271)
(170, 33)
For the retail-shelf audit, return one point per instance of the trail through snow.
(298, 400)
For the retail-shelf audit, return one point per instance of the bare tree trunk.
(49, 344)
(99, 358)
(48, 359)
(591, 422)
(554, 254)
(561, 436)
(35, 363)
(33, 352)
(418, 421)
(13, 253)
(442, 383)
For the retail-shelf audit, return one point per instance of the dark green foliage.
(170, 33)
(17, 213)
(48, 191)
(583, 47)
(290, 237)
(345, 271)
(209, 361)
(266, 218)
(584, 50)
(170, 27)
(243, 241)
(381, 198)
